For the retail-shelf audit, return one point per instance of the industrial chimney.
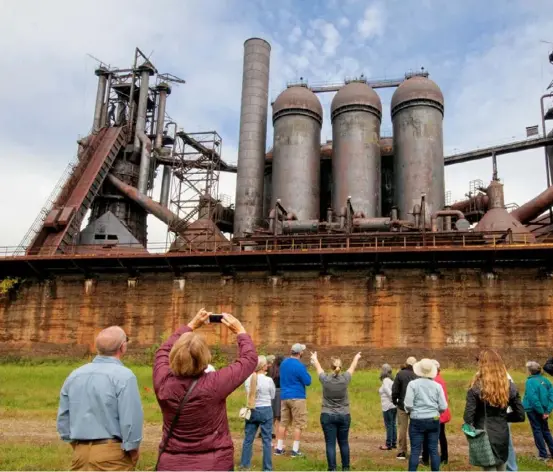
(253, 135)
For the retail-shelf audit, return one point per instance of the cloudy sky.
(488, 57)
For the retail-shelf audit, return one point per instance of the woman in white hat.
(425, 402)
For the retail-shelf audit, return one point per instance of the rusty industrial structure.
(362, 202)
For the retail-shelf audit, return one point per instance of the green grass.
(58, 457)
(30, 391)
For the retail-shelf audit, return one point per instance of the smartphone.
(215, 318)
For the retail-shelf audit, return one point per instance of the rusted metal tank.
(356, 113)
(297, 119)
(253, 136)
(417, 115)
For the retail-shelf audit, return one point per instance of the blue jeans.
(420, 431)
(542, 435)
(511, 464)
(336, 427)
(391, 427)
(261, 417)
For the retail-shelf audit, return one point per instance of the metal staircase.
(58, 224)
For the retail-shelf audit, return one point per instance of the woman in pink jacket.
(445, 417)
(199, 437)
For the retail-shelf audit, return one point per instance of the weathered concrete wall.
(405, 313)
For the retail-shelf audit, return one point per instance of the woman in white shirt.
(260, 390)
(389, 410)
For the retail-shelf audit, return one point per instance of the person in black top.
(274, 373)
(399, 389)
(548, 366)
(492, 402)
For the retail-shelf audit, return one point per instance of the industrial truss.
(195, 183)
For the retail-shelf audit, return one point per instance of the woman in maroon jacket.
(201, 438)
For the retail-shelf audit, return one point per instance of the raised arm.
(316, 364)
(162, 370)
(353, 365)
(228, 379)
(131, 417)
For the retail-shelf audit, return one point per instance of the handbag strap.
(175, 419)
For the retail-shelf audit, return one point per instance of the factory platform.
(293, 255)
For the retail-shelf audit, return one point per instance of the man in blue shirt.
(293, 380)
(100, 412)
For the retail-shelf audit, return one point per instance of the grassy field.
(29, 395)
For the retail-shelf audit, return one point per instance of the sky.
(489, 58)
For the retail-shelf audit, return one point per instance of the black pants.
(444, 457)
(336, 428)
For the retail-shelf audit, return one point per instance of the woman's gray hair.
(533, 367)
(386, 371)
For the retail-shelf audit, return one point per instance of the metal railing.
(399, 243)
(37, 223)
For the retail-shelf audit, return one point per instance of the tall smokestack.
(102, 74)
(248, 211)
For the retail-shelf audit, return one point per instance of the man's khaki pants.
(108, 456)
(402, 426)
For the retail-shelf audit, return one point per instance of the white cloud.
(343, 22)
(373, 22)
(332, 39)
(294, 35)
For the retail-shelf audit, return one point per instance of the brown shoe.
(385, 448)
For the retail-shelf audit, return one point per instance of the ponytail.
(336, 366)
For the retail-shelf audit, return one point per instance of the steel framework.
(195, 183)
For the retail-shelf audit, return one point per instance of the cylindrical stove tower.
(417, 116)
(297, 119)
(356, 112)
(248, 211)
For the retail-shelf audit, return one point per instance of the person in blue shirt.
(293, 380)
(100, 413)
(538, 403)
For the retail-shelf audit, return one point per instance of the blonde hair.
(189, 356)
(261, 364)
(492, 379)
(336, 365)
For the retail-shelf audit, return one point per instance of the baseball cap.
(411, 360)
(298, 348)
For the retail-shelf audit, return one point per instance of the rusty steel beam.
(515, 146)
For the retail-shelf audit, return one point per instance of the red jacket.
(201, 438)
(445, 417)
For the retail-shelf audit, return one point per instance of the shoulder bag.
(246, 412)
(480, 450)
(174, 422)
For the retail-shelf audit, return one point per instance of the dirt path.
(44, 431)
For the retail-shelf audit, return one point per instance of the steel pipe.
(140, 137)
(372, 224)
(163, 90)
(102, 74)
(163, 214)
(294, 226)
(444, 213)
(535, 207)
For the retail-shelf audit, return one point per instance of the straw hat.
(425, 368)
